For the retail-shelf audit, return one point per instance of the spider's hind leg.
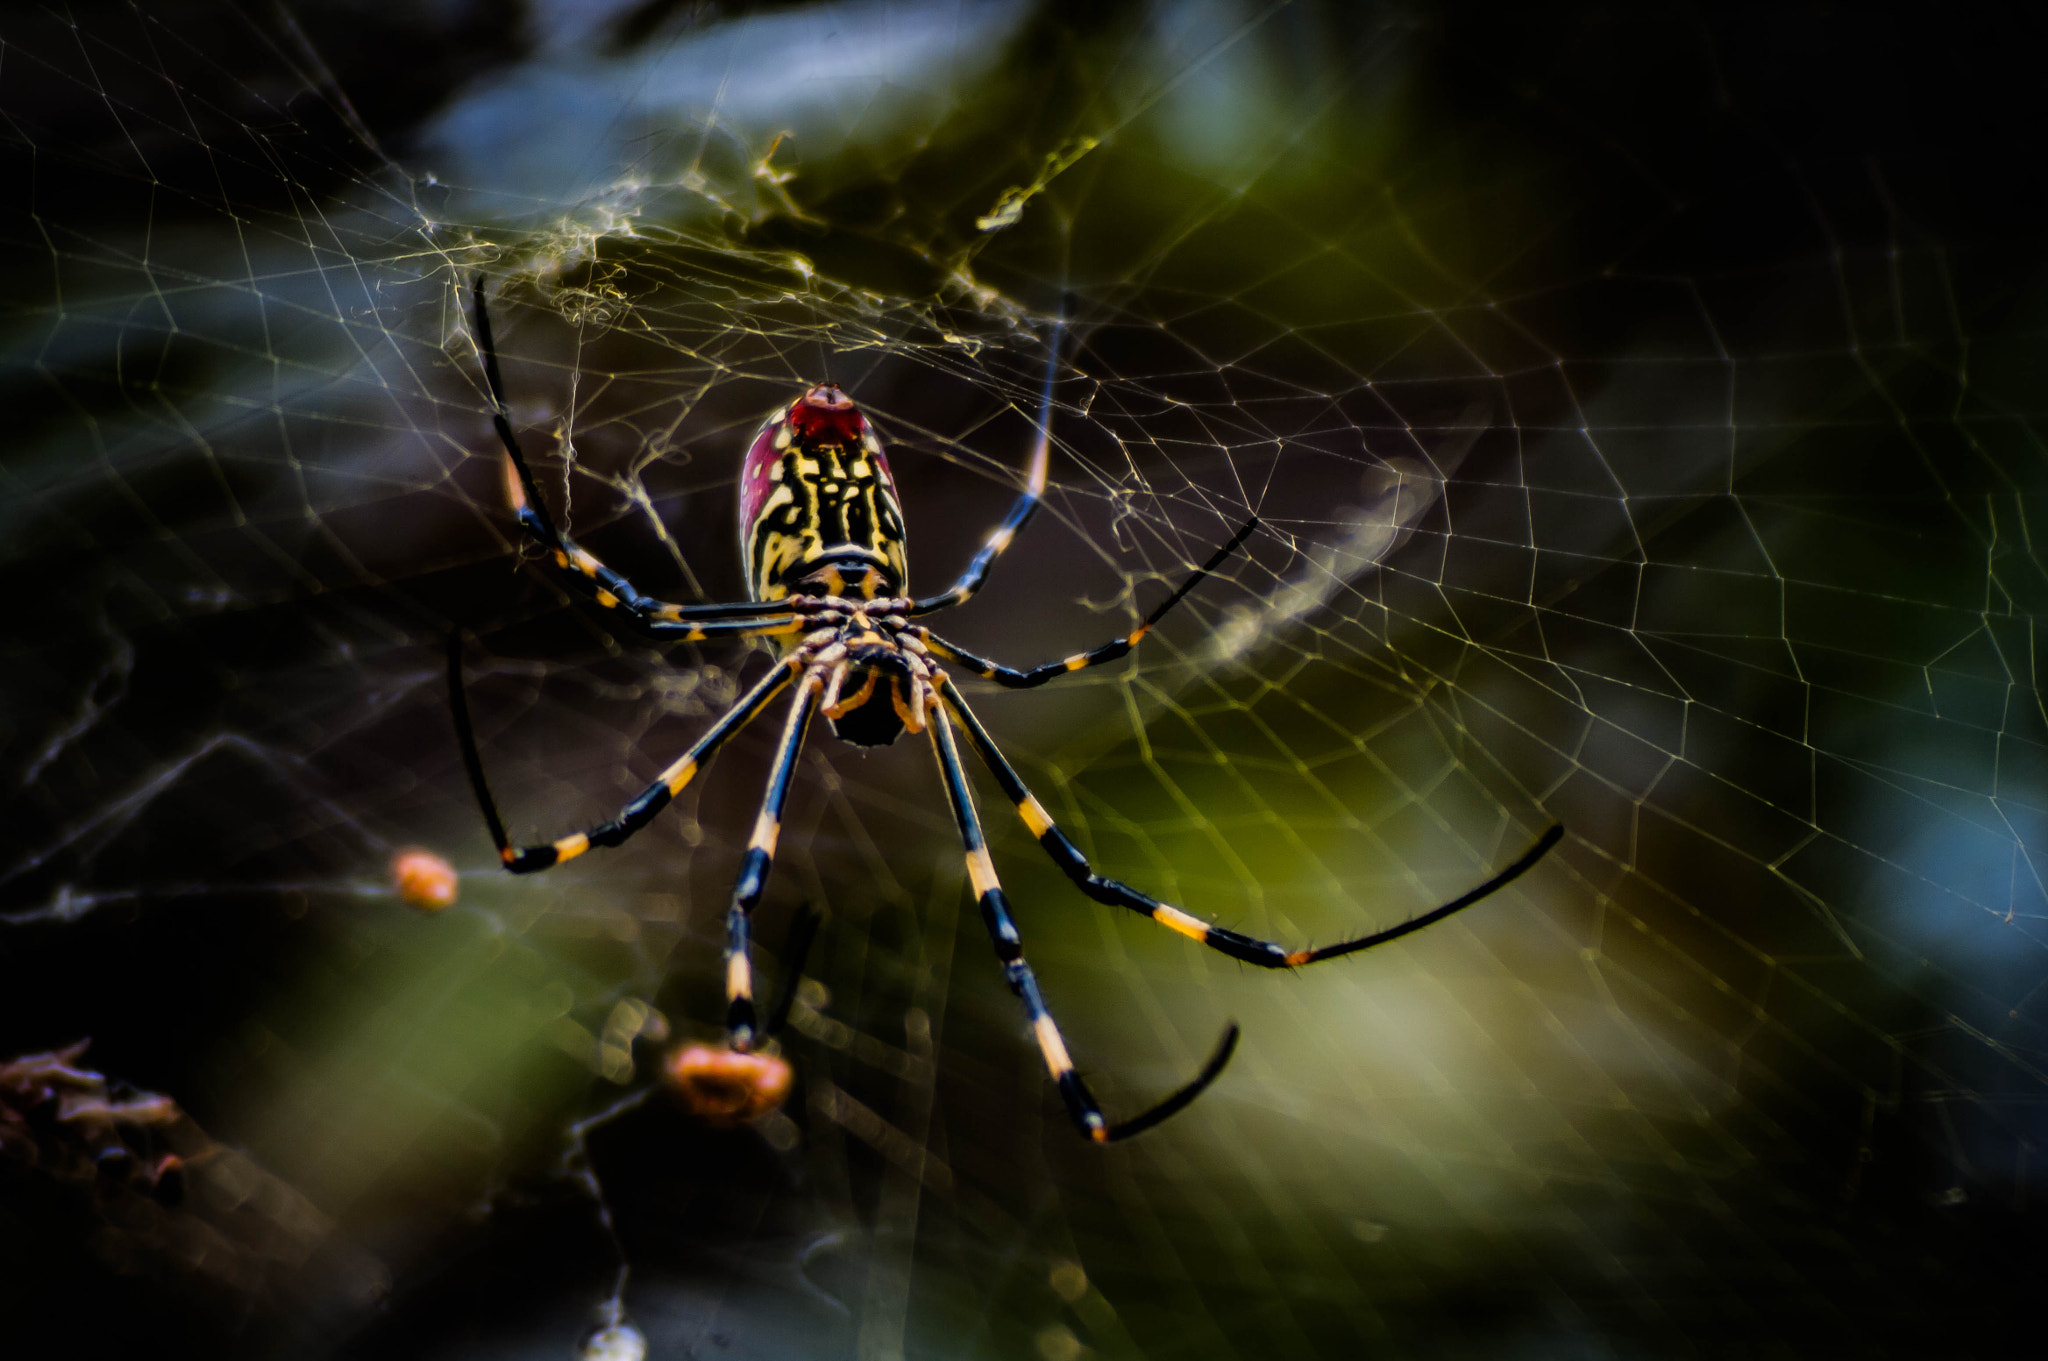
(1002, 931)
(637, 813)
(1115, 893)
(740, 1020)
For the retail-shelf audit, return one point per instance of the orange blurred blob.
(723, 1087)
(424, 879)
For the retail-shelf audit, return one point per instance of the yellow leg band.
(1053, 1047)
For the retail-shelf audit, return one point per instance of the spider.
(822, 533)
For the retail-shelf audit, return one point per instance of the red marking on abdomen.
(762, 456)
(827, 416)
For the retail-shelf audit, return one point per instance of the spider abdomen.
(816, 493)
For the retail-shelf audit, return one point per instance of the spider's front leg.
(1108, 652)
(580, 568)
(1026, 505)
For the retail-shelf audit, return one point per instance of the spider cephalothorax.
(822, 534)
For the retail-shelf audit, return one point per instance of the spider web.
(1637, 408)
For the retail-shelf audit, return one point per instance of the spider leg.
(1026, 505)
(773, 626)
(1002, 933)
(754, 867)
(1250, 949)
(579, 567)
(1108, 652)
(637, 813)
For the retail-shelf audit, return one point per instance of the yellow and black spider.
(823, 536)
